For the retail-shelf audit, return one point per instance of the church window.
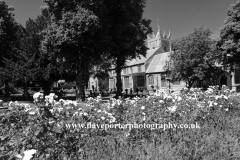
(150, 80)
(237, 76)
(126, 80)
(140, 81)
(165, 49)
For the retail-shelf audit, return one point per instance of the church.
(148, 73)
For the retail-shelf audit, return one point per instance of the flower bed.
(43, 127)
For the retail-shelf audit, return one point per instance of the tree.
(8, 36)
(124, 30)
(71, 36)
(194, 57)
(46, 70)
(229, 44)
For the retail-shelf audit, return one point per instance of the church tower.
(159, 41)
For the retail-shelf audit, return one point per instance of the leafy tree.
(72, 36)
(124, 31)
(8, 31)
(194, 58)
(23, 67)
(229, 44)
(8, 36)
(46, 70)
(118, 32)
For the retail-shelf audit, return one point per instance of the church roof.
(158, 62)
(142, 59)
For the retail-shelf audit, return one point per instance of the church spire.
(158, 26)
(164, 34)
(159, 31)
(169, 35)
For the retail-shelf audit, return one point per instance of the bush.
(42, 127)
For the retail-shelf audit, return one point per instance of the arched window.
(165, 49)
(150, 80)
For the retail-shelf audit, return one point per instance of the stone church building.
(147, 73)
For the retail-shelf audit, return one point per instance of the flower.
(225, 97)
(28, 154)
(1, 102)
(32, 113)
(179, 99)
(36, 95)
(10, 104)
(144, 118)
(172, 109)
(18, 156)
(210, 103)
(161, 101)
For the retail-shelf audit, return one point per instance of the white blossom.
(161, 101)
(179, 99)
(172, 109)
(29, 154)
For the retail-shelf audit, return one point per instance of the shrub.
(42, 127)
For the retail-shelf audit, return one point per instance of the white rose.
(161, 101)
(1, 103)
(143, 107)
(172, 109)
(179, 99)
(28, 154)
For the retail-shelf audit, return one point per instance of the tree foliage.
(125, 31)
(23, 69)
(194, 57)
(72, 35)
(229, 44)
(8, 30)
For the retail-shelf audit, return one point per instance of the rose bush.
(43, 127)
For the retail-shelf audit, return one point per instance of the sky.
(178, 16)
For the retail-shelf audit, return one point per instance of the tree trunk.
(79, 86)
(46, 87)
(190, 83)
(6, 88)
(25, 94)
(83, 88)
(119, 81)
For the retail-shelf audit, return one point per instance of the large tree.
(229, 44)
(194, 58)
(21, 68)
(8, 36)
(118, 32)
(125, 31)
(72, 36)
